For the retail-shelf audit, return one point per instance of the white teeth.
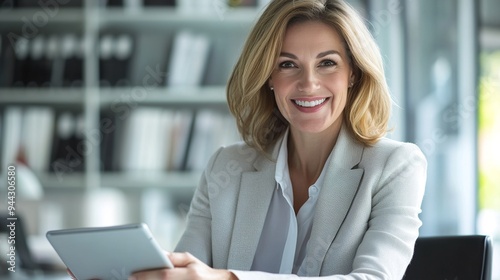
(309, 103)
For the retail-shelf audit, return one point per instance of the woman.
(316, 189)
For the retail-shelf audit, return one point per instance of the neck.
(308, 152)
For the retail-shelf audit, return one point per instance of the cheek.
(337, 80)
(339, 87)
(282, 89)
(281, 82)
(281, 100)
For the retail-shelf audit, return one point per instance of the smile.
(309, 104)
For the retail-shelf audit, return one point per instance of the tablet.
(108, 252)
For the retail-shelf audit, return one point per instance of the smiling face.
(311, 77)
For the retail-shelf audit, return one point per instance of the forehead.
(313, 35)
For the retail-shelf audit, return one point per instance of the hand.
(70, 274)
(186, 267)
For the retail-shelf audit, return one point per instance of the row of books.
(157, 139)
(58, 60)
(38, 137)
(115, 54)
(44, 61)
(9, 4)
(6, 4)
(146, 139)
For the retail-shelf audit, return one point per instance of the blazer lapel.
(254, 198)
(335, 199)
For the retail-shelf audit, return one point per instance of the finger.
(182, 259)
(149, 275)
(70, 273)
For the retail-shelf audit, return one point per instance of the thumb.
(70, 273)
(182, 259)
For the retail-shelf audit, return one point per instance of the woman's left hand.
(186, 267)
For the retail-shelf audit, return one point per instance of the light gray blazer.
(366, 220)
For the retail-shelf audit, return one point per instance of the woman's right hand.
(186, 266)
(70, 274)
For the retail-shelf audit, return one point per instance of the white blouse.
(283, 242)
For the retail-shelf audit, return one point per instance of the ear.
(270, 84)
(355, 74)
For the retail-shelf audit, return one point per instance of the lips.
(310, 105)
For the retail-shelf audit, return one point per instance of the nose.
(308, 81)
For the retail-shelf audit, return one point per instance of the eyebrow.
(320, 55)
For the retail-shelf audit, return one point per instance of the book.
(68, 146)
(2, 60)
(167, 3)
(112, 3)
(108, 124)
(38, 69)
(21, 51)
(48, 4)
(37, 136)
(181, 131)
(106, 49)
(28, 131)
(11, 139)
(178, 68)
(58, 56)
(72, 51)
(200, 48)
(115, 53)
(211, 130)
(146, 140)
(203, 142)
(156, 140)
(188, 59)
(123, 51)
(134, 5)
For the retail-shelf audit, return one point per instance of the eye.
(328, 63)
(286, 64)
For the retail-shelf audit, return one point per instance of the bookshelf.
(152, 32)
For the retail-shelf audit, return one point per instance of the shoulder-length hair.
(251, 101)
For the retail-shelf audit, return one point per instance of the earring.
(272, 88)
(351, 84)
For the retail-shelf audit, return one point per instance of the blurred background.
(109, 110)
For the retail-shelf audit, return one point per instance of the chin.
(311, 128)
(317, 126)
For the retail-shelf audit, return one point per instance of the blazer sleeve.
(196, 238)
(387, 246)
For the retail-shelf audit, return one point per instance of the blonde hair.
(251, 101)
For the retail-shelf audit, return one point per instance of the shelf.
(38, 17)
(142, 180)
(188, 97)
(42, 96)
(161, 16)
(67, 181)
(153, 31)
(125, 180)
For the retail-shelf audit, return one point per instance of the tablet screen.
(108, 252)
